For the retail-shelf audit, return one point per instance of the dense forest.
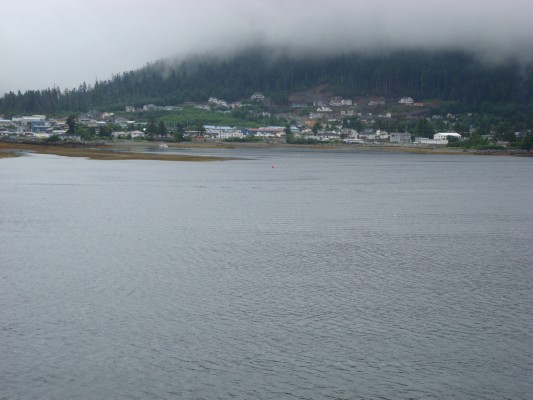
(446, 75)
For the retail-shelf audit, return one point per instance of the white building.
(424, 140)
(400, 137)
(217, 102)
(444, 135)
(257, 97)
(223, 132)
(339, 102)
(30, 119)
(406, 100)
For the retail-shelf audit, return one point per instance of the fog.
(46, 43)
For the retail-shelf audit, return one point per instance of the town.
(310, 119)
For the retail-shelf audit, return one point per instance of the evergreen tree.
(162, 129)
(424, 128)
(151, 129)
(72, 123)
(289, 135)
(180, 133)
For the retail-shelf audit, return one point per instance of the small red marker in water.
(273, 166)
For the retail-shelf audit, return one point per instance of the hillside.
(451, 75)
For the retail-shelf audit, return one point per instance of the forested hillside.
(454, 76)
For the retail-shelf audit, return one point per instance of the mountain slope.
(449, 75)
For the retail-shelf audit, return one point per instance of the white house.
(406, 100)
(424, 140)
(444, 135)
(258, 97)
(217, 102)
(339, 102)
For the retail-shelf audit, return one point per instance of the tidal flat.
(100, 152)
(130, 150)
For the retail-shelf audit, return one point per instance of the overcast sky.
(66, 42)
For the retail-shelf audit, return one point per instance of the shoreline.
(126, 150)
(95, 152)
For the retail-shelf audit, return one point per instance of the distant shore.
(126, 150)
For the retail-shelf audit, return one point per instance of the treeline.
(446, 75)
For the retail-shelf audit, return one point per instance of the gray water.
(288, 274)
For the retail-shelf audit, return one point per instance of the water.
(337, 275)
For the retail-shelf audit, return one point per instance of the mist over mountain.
(53, 43)
(451, 75)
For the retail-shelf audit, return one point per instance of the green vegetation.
(191, 117)
(289, 136)
(475, 141)
(447, 75)
(246, 139)
(53, 139)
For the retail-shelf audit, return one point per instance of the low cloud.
(47, 42)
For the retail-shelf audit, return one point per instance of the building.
(406, 100)
(41, 126)
(217, 102)
(257, 97)
(223, 132)
(425, 140)
(339, 102)
(444, 135)
(400, 137)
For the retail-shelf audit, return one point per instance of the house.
(406, 100)
(172, 108)
(319, 103)
(324, 109)
(400, 137)
(376, 101)
(136, 134)
(217, 102)
(349, 133)
(257, 97)
(381, 134)
(348, 113)
(130, 108)
(223, 132)
(41, 126)
(339, 102)
(269, 131)
(299, 105)
(444, 135)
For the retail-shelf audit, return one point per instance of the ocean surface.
(284, 274)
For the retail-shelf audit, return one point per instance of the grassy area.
(192, 117)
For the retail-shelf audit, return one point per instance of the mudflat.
(100, 152)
